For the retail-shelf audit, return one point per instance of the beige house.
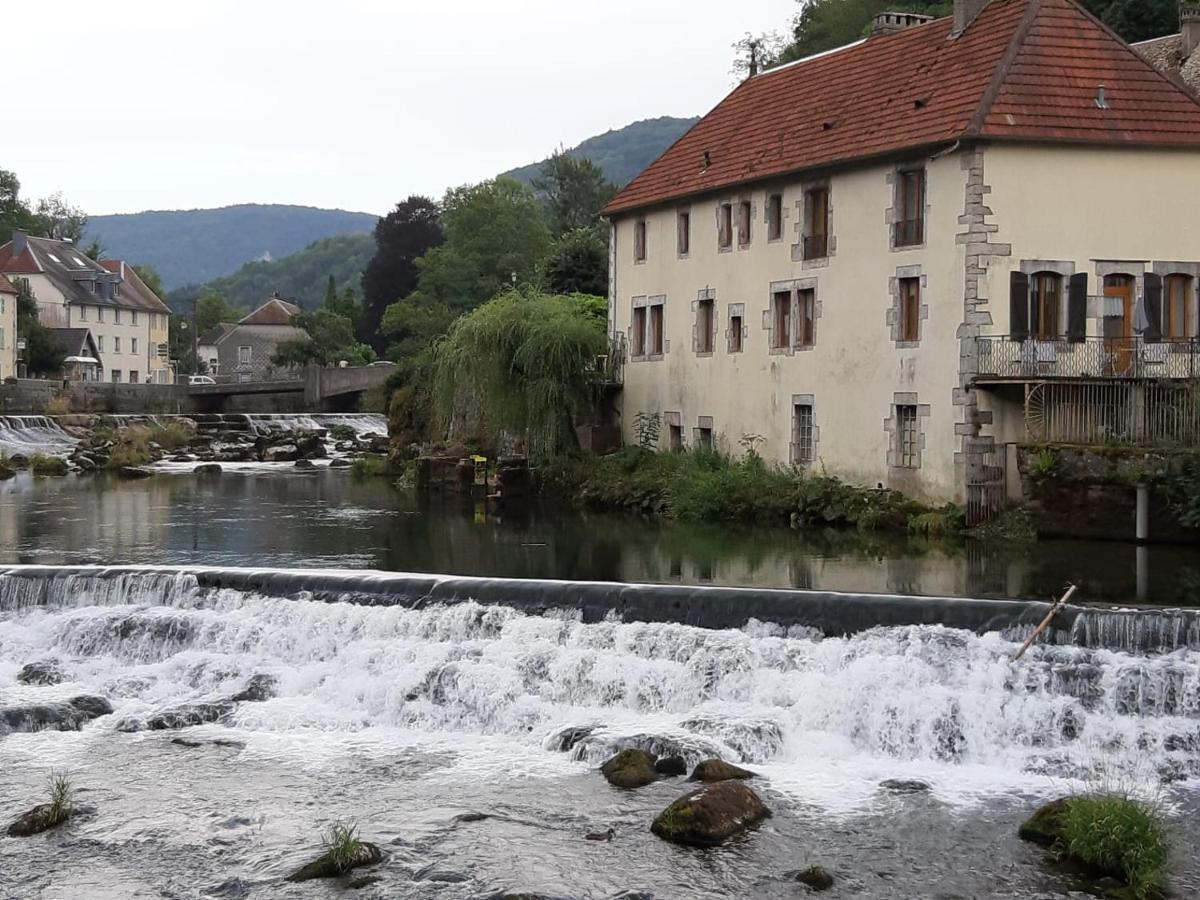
(127, 320)
(8, 329)
(870, 258)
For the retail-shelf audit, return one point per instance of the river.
(404, 716)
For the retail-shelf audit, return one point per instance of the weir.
(1140, 631)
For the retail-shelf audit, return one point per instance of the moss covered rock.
(630, 768)
(718, 770)
(50, 466)
(39, 819)
(328, 866)
(711, 814)
(815, 877)
(1045, 826)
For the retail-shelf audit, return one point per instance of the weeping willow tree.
(522, 363)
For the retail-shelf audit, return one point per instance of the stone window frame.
(891, 425)
(794, 446)
(722, 205)
(641, 249)
(804, 226)
(674, 420)
(1166, 268)
(783, 215)
(640, 302)
(682, 214)
(709, 295)
(704, 423)
(893, 180)
(893, 316)
(1134, 268)
(1064, 269)
(738, 310)
(748, 201)
(651, 302)
(794, 286)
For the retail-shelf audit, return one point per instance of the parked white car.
(201, 379)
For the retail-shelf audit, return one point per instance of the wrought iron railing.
(1093, 357)
(609, 368)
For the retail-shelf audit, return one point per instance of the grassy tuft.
(371, 467)
(41, 464)
(170, 435)
(342, 846)
(62, 793)
(1120, 836)
(341, 432)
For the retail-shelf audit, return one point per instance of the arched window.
(1179, 317)
(1045, 305)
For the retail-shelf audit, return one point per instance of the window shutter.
(1018, 306)
(1153, 299)
(1077, 308)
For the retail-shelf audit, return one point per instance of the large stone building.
(1178, 54)
(244, 352)
(870, 258)
(127, 320)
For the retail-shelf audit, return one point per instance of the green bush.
(52, 466)
(170, 435)
(128, 455)
(340, 432)
(371, 467)
(1119, 836)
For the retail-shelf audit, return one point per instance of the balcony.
(1008, 359)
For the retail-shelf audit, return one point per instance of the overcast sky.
(157, 104)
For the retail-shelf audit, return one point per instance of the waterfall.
(27, 435)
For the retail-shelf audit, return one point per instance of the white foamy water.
(825, 718)
(27, 435)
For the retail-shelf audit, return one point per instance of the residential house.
(870, 258)
(206, 347)
(1178, 54)
(244, 351)
(128, 322)
(82, 361)
(8, 328)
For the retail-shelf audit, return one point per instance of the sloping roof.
(77, 341)
(275, 311)
(215, 333)
(6, 286)
(1023, 70)
(1166, 55)
(135, 292)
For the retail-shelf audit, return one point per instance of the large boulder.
(1045, 825)
(310, 445)
(180, 717)
(44, 672)
(207, 469)
(327, 866)
(281, 453)
(630, 769)
(71, 715)
(709, 815)
(709, 770)
(258, 688)
(133, 473)
(39, 819)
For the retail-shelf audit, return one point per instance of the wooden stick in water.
(1045, 622)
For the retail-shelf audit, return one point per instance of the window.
(152, 350)
(639, 240)
(133, 345)
(116, 345)
(1181, 307)
(908, 437)
(100, 342)
(735, 333)
(638, 338)
(83, 314)
(675, 437)
(2, 339)
(744, 223)
(705, 322)
(1045, 303)
(116, 376)
(134, 315)
(116, 290)
(243, 356)
(684, 232)
(656, 329)
(725, 226)
(781, 333)
(802, 434)
(910, 309)
(704, 439)
(806, 314)
(910, 208)
(95, 287)
(117, 316)
(99, 313)
(133, 376)
(774, 217)
(816, 219)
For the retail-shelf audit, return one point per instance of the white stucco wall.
(8, 335)
(855, 368)
(107, 332)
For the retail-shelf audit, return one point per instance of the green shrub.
(371, 467)
(62, 792)
(44, 465)
(340, 432)
(342, 846)
(128, 455)
(170, 435)
(1119, 836)
(1043, 464)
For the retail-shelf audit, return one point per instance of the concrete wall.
(856, 367)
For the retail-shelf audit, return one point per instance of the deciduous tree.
(401, 238)
(574, 190)
(578, 263)
(330, 341)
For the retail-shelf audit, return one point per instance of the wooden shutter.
(1153, 298)
(1018, 306)
(1077, 308)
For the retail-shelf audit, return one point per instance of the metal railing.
(1093, 357)
(610, 367)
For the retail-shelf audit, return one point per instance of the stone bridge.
(322, 389)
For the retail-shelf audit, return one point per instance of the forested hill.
(623, 153)
(197, 245)
(301, 277)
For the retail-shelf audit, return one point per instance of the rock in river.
(68, 716)
(259, 688)
(671, 766)
(327, 866)
(630, 769)
(181, 717)
(44, 672)
(207, 469)
(1045, 826)
(132, 473)
(815, 877)
(718, 770)
(709, 815)
(39, 819)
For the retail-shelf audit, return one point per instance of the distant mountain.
(197, 245)
(301, 277)
(623, 153)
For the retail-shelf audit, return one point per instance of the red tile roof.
(275, 311)
(1023, 70)
(6, 286)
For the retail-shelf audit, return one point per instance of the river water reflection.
(279, 517)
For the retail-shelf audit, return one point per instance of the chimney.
(891, 22)
(1189, 24)
(966, 12)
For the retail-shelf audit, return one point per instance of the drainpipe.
(1143, 514)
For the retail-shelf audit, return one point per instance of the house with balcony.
(884, 259)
